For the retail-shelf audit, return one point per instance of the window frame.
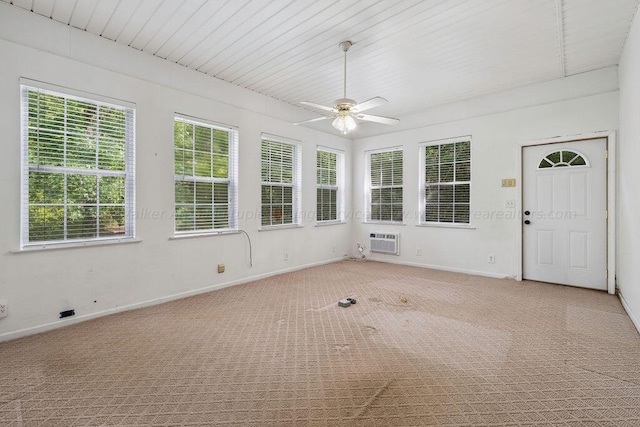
(231, 179)
(128, 173)
(422, 185)
(296, 184)
(369, 187)
(339, 187)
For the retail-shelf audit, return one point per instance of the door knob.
(526, 221)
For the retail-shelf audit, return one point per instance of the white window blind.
(445, 183)
(385, 188)
(330, 185)
(206, 181)
(78, 168)
(280, 171)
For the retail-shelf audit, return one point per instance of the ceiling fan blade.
(371, 103)
(378, 119)
(318, 106)
(313, 120)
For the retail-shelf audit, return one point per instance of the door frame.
(610, 137)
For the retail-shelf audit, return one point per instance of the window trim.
(76, 244)
(75, 93)
(25, 85)
(422, 184)
(368, 187)
(340, 184)
(296, 185)
(232, 178)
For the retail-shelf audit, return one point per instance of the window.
(280, 182)
(385, 185)
(565, 158)
(445, 181)
(205, 176)
(78, 168)
(330, 185)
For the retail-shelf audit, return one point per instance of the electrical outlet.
(67, 313)
(419, 251)
(491, 259)
(333, 248)
(285, 256)
(3, 308)
(221, 268)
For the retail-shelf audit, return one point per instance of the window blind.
(330, 185)
(206, 181)
(385, 178)
(445, 186)
(78, 168)
(280, 172)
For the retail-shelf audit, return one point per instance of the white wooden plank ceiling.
(415, 53)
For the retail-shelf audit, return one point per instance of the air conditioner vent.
(386, 243)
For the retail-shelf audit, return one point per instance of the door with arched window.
(565, 213)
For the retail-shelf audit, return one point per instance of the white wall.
(578, 86)
(628, 268)
(97, 280)
(496, 151)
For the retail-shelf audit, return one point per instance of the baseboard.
(83, 318)
(444, 268)
(635, 320)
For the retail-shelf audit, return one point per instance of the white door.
(564, 213)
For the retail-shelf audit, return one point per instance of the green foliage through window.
(203, 156)
(279, 182)
(327, 170)
(447, 182)
(386, 176)
(78, 164)
(559, 159)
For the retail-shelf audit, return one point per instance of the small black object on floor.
(346, 302)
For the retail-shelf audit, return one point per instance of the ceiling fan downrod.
(345, 45)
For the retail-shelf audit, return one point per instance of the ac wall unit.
(386, 243)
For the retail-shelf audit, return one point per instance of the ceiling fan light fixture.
(344, 124)
(345, 110)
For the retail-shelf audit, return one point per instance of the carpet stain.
(341, 348)
(371, 330)
(325, 308)
(372, 400)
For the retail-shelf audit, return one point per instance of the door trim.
(610, 136)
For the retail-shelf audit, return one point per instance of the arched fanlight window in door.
(563, 158)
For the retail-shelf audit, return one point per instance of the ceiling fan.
(346, 110)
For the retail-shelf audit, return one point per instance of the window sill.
(203, 234)
(384, 223)
(279, 227)
(75, 245)
(329, 223)
(447, 225)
